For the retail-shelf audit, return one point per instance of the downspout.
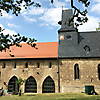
(58, 70)
(58, 56)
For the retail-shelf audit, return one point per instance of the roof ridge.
(41, 42)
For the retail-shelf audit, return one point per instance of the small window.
(0, 74)
(4, 66)
(15, 65)
(50, 65)
(26, 65)
(76, 71)
(38, 65)
(87, 48)
(68, 36)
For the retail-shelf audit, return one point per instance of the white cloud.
(36, 11)
(91, 25)
(58, 4)
(6, 15)
(96, 0)
(30, 19)
(67, 0)
(96, 8)
(46, 24)
(52, 16)
(1, 26)
(24, 13)
(12, 25)
(49, 15)
(33, 11)
(7, 31)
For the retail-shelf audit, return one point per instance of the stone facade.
(88, 74)
(39, 74)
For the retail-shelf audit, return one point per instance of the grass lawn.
(53, 96)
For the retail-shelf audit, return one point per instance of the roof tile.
(45, 50)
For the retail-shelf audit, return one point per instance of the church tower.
(68, 38)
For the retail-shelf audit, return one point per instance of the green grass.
(55, 96)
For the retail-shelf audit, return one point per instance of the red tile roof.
(45, 50)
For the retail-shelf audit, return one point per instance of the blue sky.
(41, 23)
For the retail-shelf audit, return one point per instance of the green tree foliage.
(98, 27)
(20, 82)
(14, 7)
(78, 13)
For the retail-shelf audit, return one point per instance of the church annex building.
(64, 66)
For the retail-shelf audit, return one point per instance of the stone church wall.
(39, 74)
(88, 74)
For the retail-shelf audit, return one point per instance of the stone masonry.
(21, 72)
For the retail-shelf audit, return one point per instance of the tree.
(77, 13)
(14, 6)
(98, 27)
(20, 82)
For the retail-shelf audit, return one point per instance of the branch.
(80, 20)
(6, 41)
(76, 9)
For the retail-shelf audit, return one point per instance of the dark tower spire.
(66, 14)
(68, 38)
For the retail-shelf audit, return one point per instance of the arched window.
(31, 85)
(76, 71)
(12, 84)
(99, 71)
(48, 85)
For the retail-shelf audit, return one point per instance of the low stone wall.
(74, 89)
(77, 89)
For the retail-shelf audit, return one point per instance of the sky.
(42, 23)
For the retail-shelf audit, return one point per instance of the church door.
(31, 85)
(48, 85)
(12, 84)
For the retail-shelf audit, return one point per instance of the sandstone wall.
(39, 74)
(88, 74)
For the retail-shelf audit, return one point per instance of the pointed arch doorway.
(48, 85)
(31, 85)
(12, 85)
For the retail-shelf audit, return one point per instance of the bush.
(13, 93)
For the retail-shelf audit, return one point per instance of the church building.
(64, 66)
